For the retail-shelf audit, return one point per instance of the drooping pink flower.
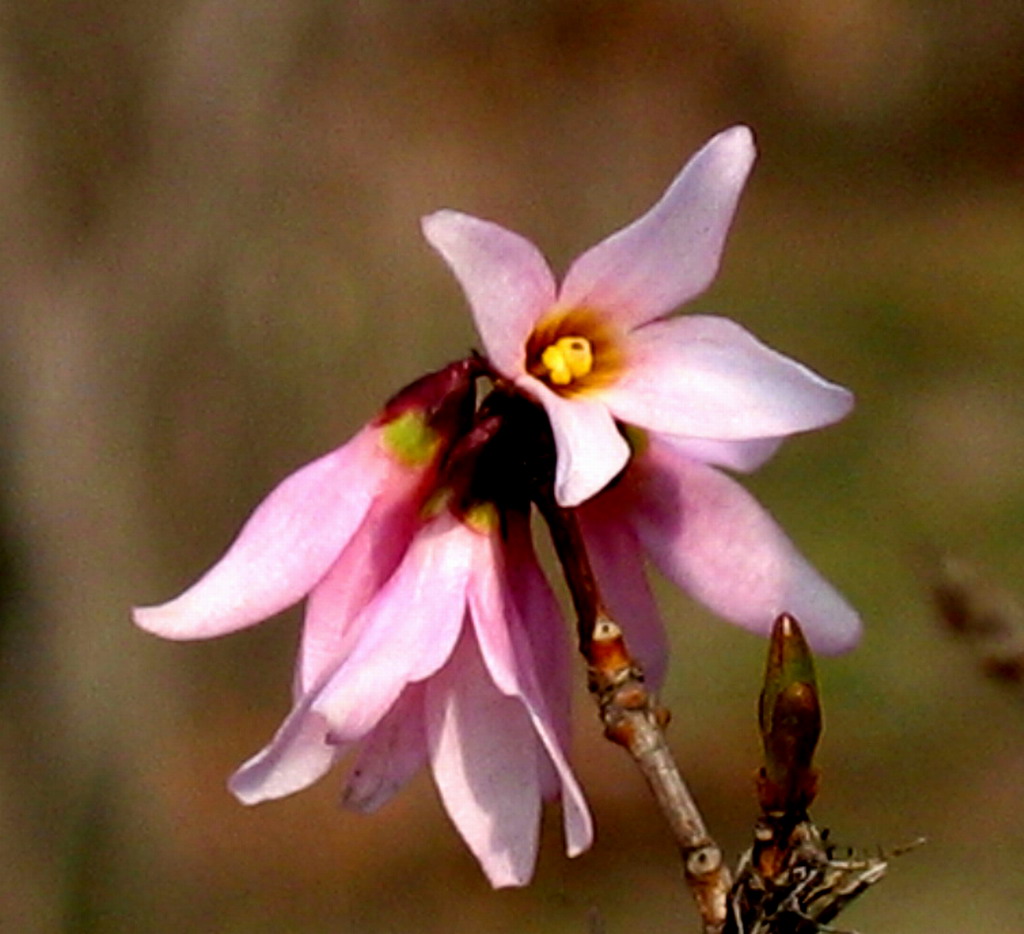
(458, 661)
(427, 638)
(711, 537)
(599, 349)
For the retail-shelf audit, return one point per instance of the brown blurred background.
(211, 271)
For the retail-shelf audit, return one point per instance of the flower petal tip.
(503, 876)
(433, 224)
(570, 493)
(448, 231)
(833, 405)
(740, 138)
(847, 401)
(574, 848)
(841, 636)
(734, 152)
(163, 621)
(244, 794)
(577, 486)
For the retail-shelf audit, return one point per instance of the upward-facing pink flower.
(599, 349)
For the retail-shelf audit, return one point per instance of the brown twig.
(633, 718)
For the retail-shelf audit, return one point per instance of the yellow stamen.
(568, 358)
(482, 517)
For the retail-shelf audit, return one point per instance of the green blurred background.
(212, 272)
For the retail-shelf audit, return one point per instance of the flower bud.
(790, 719)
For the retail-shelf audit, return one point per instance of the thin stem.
(579, 575)
(633, 719)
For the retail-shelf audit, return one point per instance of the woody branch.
(633, 718)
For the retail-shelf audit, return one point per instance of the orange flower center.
(574, 351)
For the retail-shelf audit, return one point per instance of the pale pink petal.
(671, 254)
(741, 456)
(507, 652)
(295, 758)
(546, 648)
(390, 755)
(373, 554)
(507, 281)
(287, 545)
(618, 561)
(578, 825)
(408, 631)
(591, 450)
(707, 377)
(484, 757)
(714, 540)
(405, 634)
(490, 615)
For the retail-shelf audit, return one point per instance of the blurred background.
(211, 271)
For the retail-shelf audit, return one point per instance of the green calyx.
(410, 439)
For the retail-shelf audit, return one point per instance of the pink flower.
(427, 638)
(710, 537)
(600, 350)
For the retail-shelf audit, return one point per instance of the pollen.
(568, 358)
(575, 351)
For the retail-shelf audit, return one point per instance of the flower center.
(568, 358)
(575, 351)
